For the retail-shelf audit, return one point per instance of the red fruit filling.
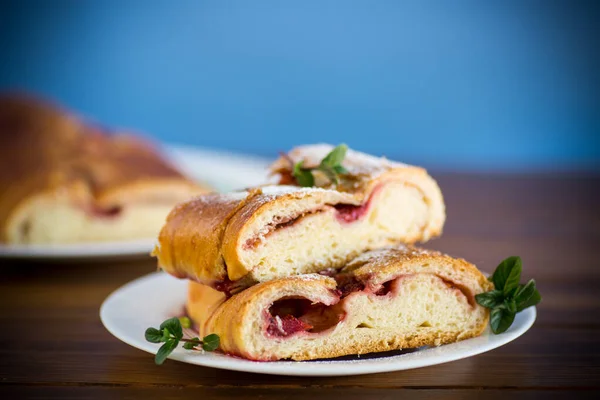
(344, 213)
(288, 325)
(294, 315)
(99, 212)
(290, 316)
(349, 213)
(347, 284)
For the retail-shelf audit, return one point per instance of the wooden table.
(53, 344)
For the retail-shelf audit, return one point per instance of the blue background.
(507, 85)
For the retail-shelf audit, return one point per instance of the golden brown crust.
(225, 321)
(189, 244)
(233, 319)
(391, 260)
(202, 301)
(222, 240)
(45, 149)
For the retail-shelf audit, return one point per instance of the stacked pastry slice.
(231, 241)
(284, 272)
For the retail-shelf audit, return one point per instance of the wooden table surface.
(54, 346)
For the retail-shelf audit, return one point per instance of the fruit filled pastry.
(231, 241)
(64, 180)
(387, 299)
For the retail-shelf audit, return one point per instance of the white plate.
(223, 171)
(128, 311)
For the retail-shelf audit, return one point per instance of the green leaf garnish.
(501, 319)
(165, 350)
(535, 298)
(153, 335)
(210, 342)
(171, 333)
(173, 326)
(524, 292)
(330, 166)
(335, 156)
(509, 297)
(507, 274)
(303, 176)
(490, 299)
(192, 343)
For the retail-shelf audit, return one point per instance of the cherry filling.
(349, 213)
(290, 316)
(347, 284)
(344, 213)
(385, 288)
(293, 315)
(99, 212)
(226, 286)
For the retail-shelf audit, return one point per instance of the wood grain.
(54, 346)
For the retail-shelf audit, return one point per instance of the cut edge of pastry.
(388, 299)
(73, 214)
(281, 230)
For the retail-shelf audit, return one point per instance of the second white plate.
(127, 313)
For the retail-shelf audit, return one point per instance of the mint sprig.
(331, 166)
(170, 333)
(509, 296)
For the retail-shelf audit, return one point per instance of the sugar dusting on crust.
(278, 190)
(310, 277)
(357, 163)
(375, 259)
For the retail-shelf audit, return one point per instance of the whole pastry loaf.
(231, 241)
(387, 299)
(63, 180)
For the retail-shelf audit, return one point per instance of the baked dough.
(387, 299)
(65, 181)
(231, 241)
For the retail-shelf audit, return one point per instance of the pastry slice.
(387, 299)
(64, 180)
(231, 241)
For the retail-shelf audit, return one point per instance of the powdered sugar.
(278, 190)
(357, 163)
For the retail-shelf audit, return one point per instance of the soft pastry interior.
(387, 299)
(66, 180)
(234, 240)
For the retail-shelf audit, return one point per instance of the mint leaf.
(501, 319)
(507, 274)
(330, 174)
(303, 176)
(532, 301)
(489, 299)
(509, 296)
(210, 342)
(331, 166)
(166, 335)
(165, 350)
(524, 292)
(193, 342)
(510, 305)
(339, 169)
(335, 156)
(153, 335)
(174, 327)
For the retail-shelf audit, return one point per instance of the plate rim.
(307, 368)
(78, 250)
